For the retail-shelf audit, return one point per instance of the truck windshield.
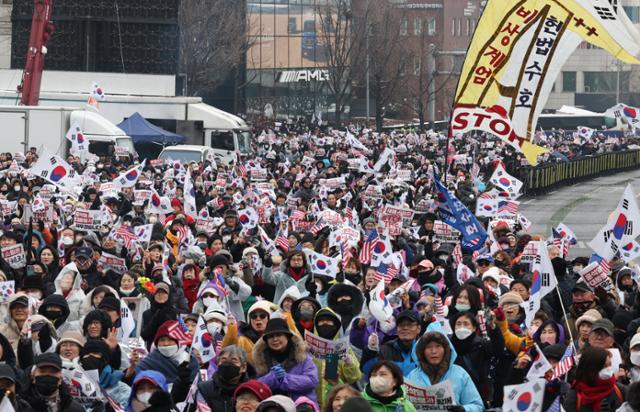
(244, 142)
(223, 141)
(126, 142)
(183, 156)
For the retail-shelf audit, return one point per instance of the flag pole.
(564, 312)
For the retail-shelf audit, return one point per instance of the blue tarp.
(141, 131)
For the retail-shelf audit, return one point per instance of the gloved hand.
(311, 286)
(456, 408)
(279, 371)
(161, 401)
(373, 343)
(233, 285)
(499, 313)
(267, 262)
(184, 372)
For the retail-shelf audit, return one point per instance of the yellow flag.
(518, 51)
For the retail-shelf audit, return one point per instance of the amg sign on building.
(295, 76)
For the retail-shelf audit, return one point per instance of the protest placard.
(319, 347)
(397, 215)
(258, 174)
(7, 289)
(206, 225)
(87, 219)
(112, 262)
(434, 398)
(444, 233)
(595, 276)
(139, 196)
(14, 255)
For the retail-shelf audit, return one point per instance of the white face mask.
(153, 219)
(144, 397)
(168, 351)
(635, 358)
(577, 269)
(606, 373)
(380, 385)
(68, 241)
(207, 302)
(463, 333)
(35, 295)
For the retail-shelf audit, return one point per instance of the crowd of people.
(240, 295)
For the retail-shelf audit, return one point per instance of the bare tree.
(342, 41)
(388, 55)
(213, 42)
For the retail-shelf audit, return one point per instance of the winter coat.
(301, 377)
(38, 404)
(217, 394)
(75, 296)
(401, 404)
(282, 280)
(392, 351)
(111, 382)
(514, 343)
(347, 372)
(609, 404)
(87, 303)
(155, 361)
(464, 390)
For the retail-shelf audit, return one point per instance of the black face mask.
(56, 317)
(46, 385)
(327, 331)
(92, 362)
(581, 307)
(228, 371)
(354, 278)
(344, 306)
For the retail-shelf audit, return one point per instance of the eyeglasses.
(255, 316)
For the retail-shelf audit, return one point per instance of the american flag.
(439, 306)
(565, 364)
(348, 213)
(124, 233)
(177, 333)
(457, 254)
(298, 215)
(282, 241)
(220, 284)
(347, 254)
(475, 170)
(182, 233)
(320, 224)
(382, 273)
(242, 170)
(367, 247)
(508, 206)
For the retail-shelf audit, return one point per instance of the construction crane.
(41, 31)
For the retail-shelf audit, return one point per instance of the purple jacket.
(360, 337)
(301, 377)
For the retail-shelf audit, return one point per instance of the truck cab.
(103, 136)
(186, 153)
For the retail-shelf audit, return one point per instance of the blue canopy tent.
(141, 131)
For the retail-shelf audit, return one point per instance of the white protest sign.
(87, 219)
(319, 347)
(444, 233)
(206, 225)
(434, 398)
(112, 262)
(108, 190)
(14, 256)
(7, 289)
(595, 276)
(139, 196)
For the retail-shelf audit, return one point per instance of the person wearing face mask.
(96, 355)
(385, 390)
(303, 312)
(438, 364)
(49, 257)
(627, 287)
(292, 271)
(168, 355)
(45, 390)
(9, 388)
(475, 353)
(68, 284)
(247, 334)
(466, 298)
(218, 391)
(281, 362)
(161, 310)
(150, 393)
(549, 333)
(87, 267)
(56, 309)
(633, 369)
(347, 301)
(17, 191)
(328, 326)
(595, 388)
(190, 283)
(583, 299)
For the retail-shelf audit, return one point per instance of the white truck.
(46, 127)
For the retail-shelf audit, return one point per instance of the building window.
(404, 26)
(633, 12)
(431, 27)
(417, 26)
(568, 81)
(605, 82)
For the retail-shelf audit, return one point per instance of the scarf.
(296, 274)
(595, 393)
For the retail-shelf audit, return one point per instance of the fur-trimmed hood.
(262, 361)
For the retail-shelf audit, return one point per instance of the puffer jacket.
(301, 377)
(282, 280)
(464, 390)
(400, 404)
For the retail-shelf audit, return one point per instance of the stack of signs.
(14, 255)
(112, 262)
(445, 233)
(595, 276)
(395, 218)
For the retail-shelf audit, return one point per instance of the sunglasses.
(255, 316)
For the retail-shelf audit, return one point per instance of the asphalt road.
(583, 207)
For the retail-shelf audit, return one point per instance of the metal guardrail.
(544, 178)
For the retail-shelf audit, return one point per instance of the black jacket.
(38, 404)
